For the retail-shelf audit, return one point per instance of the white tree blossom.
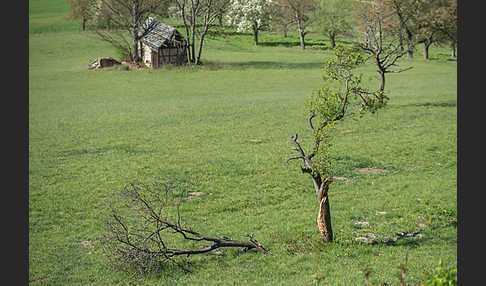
(249, 15)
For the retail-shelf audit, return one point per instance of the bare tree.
(384, 48)
(189, 12)
(129, 16)
(143, 234)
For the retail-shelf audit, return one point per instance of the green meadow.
(222, 130)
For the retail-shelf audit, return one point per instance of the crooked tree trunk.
(321, 187)
(324, 213)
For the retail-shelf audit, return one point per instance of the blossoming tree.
(249, 15)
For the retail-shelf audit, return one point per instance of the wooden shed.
(161, 44)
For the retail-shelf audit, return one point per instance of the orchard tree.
(332, 18)
(428, 23)
(447, 23)
(281, 19)
(436, 24)
(299, 12)
(249, 15)
(197, 16)
(222, 8)
(81, 9)
(382, 47)
(341, 95)
(407, 12)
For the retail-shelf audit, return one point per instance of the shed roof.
(157, 34)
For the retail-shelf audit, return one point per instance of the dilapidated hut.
(161, 44)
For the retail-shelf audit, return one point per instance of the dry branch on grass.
(143, 236)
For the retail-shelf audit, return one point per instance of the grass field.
(92, 132)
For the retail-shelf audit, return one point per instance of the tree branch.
(138, 247)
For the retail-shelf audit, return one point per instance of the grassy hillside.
(50, 16)
(222, 130)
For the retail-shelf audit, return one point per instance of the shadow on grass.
(260, 65)
(442, 58)
(290, 44)
(116, 148)
(173, 271)
(431, 104)
(311, 242)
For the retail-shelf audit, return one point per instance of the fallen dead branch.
(145, 237)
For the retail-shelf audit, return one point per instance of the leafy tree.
(428, 31)
(81, 9)
(407, 12)
(249, 15)
(446, 16)
(436, 24)
(332, 18)
(299, 12)
(341, 95)
(281, 19)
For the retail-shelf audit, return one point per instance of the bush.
(441, 277)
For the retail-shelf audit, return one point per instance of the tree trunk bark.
(193, 34)
(201, 42)
(188, 39)
(84, 24)
(220, 21)
(285, 31)
(324, 214)
(332, 38)
(409, 49)
(400, 41)
(255, 35)
(410, 52)
(301, 31)
(453, 49)
(134, 47)
(302, 39)
(368, 41)
(382, 80)
(426, 50)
